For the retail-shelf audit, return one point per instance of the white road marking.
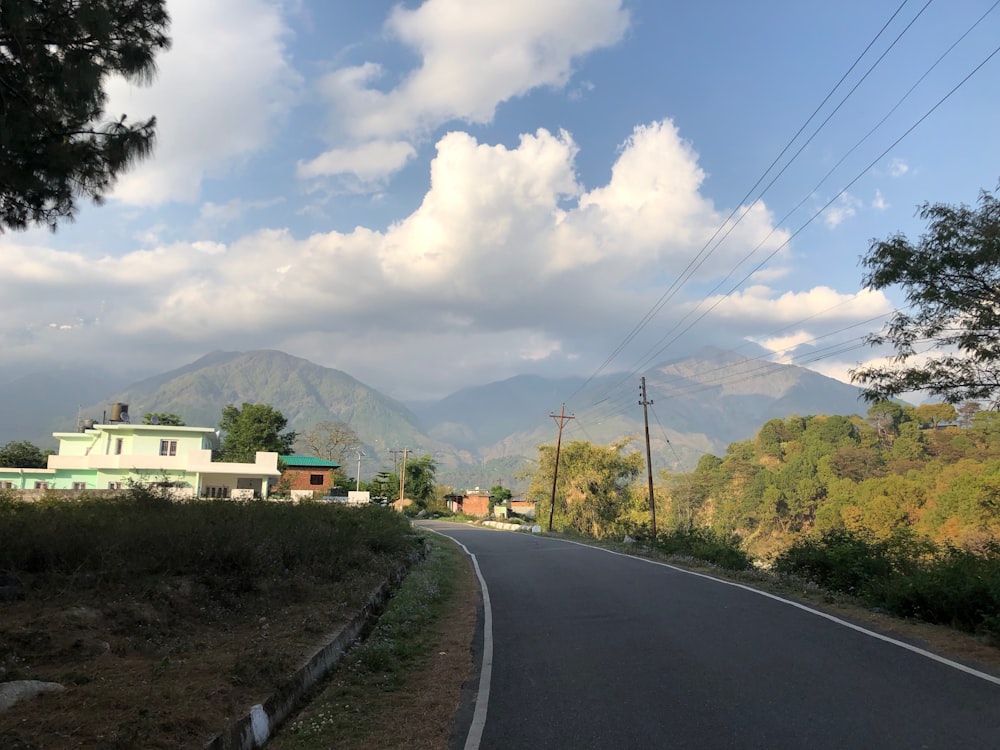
(871, 633)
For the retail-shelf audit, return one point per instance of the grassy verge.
(400, 687)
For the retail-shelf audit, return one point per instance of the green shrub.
(225, 545)
(838, 560)
(905, 575)
(957, 588)
(705, 544)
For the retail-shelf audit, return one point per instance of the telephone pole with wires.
(561, 419)
(644, 402)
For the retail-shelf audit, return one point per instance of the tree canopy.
(420, 472)
(162, 417)
(55, 57)
(593, 493)
(251, 428)
(22, 454)
(330, 440)
(951, 279)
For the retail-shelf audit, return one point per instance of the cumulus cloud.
(764, 304)
(369, 162)
(472, 57)
(507, 258)
(220, 94)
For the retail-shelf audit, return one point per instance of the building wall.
(476, 505)
(300, 477)
(90, 460)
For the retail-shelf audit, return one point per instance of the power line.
(666, 295)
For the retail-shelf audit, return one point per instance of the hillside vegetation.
(900, 509)
(900, 469)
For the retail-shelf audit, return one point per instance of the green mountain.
(479, 436)
(304, 392)
(701, 404)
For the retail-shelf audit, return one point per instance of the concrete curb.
(513, 527)
(258, 725)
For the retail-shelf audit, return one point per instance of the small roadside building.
(308, 473)
(470, 503)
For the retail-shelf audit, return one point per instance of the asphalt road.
(596, 650)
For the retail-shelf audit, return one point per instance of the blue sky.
(448, 193)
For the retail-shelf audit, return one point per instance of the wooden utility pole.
(644, 402)
(561, 419)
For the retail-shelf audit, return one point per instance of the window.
(114, 485)
(316, 479)
(168, 447)
(41, 485)
(79, 485)
(6, 485)
(118, 446)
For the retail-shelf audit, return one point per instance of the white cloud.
(898, 167)
(507, 256)
(474, 55)
(220, 93)
(845, 207)
(369, 162)
(761, 304)
(223, 213)
(878, 202)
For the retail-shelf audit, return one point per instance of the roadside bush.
(905, 575)
(705, 544)
(957, 588)
(838, 560)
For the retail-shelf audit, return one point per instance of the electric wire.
(656, 307)
(825, 206)
(650, 357)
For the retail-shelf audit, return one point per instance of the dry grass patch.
(161, 650)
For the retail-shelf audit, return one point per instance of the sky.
(440, 194)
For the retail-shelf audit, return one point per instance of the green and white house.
(111, 456)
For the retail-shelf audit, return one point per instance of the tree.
(885, 417)
(23, 454)
(499, 495)
(935, 415)
(55, 56)
(951, 279)
(966, 412)
(384, 486)
(420, 479)
(330, 440)
(162, 417)
(252, 428)
(593, 496)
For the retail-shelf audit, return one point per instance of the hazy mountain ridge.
(701, 404)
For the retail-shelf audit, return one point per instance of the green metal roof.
(311, 462)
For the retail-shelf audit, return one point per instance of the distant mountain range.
(479, 436)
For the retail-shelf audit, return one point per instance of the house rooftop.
(310, 462)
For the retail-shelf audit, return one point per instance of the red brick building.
(308, 472)
(471, 503)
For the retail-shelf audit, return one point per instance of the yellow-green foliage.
(594, 495)
(833, 473)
